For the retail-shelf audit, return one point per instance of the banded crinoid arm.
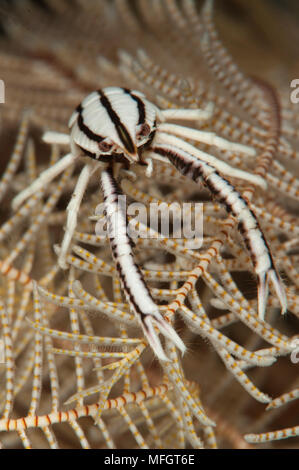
(136, 291)
(247, 222)
(44, 178)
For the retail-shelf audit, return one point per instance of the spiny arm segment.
(247, 222)
(130, 275)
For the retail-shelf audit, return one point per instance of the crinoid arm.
(44, 178)
(136, 291)
(247, 222)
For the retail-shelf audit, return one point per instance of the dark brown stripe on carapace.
(115, 157)
(120, 128)
(85, 129)
(88, 153)
(140, 104)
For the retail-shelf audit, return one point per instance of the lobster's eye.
(105, 146)
(144, 130)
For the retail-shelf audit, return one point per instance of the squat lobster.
(120, 125)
